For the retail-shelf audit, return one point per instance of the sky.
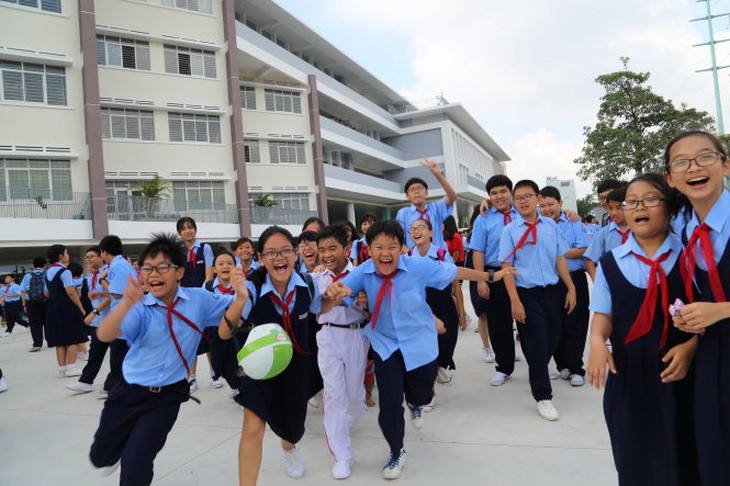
(526, 69)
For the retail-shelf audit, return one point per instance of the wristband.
(491, 275)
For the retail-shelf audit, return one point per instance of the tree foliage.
(586, 204)
(634, 124)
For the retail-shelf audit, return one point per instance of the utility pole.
(709, 18)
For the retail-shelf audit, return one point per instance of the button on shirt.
(295, 281)
(438, 211)
(118, 277)
(535, 263)
(635, 271)
(607, 238)
(575, 236)
(342, 314)
(152, 359)
(486, 233)
(10, 289)
(406, 322)
(718, 219)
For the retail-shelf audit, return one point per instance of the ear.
(180, 272)
(668, 178)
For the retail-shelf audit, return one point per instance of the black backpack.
(36, 287)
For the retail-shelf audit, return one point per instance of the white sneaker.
(34, 349)
(429, 406)
(219, 383)
(565, 374)
(80, 387)
(193, 384)
(109, 470)
(499, 379)
(553, 373)
(3, 385)
(416, 417)
(444, 376)
(341, 469)
(393, 467)
(82, 356)
(577, 380)
(73, 370)
(102, 394)
(488, 355)
(62, 371)
(293, 463)
(6, 334)
(547, 410)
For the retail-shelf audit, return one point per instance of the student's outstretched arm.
(463, 273)
(600, 356)
(434, 168)
(109, 330)
(234, 312)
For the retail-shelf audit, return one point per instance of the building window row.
(283, 101)
(127, 124)
(192, 195)
(32, 83)
(126, 53)
(202, 6)
(38, 179)
(45, 5)
(251, 151)
(287, 152)
(286, 200)
(187, 127)
(189, 62)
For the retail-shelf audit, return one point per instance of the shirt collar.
(151, 300)
(671, 242)
(294, 281)
(718, 216)
(348, 268)
(521, 221)
(512, 211)
(562, 218)
(414, 209)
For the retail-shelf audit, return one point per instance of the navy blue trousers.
(117, 351)
(97, 351)
(13, 315)
(569, 352)
(540, 333)
(393, 383)
(500, 324)
(37, 319)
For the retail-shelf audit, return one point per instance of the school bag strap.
(209, 285)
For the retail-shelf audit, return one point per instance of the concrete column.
(351, 213)
(317, 149)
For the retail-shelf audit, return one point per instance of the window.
(189, 62)
(287, 152)
(203, 6)
(284, 101)
(45, 5)
(127, 123)
(33, 83)
(190, 195)
(248, 97)
(287, 200)
(35, 179)
(251, 151)
(188, 127)
(126, 53)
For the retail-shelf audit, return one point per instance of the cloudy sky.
(525, 69)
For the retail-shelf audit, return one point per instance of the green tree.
(153, 191)
(634, 124)
(586, 204)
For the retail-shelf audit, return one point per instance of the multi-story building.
(567, 191)
(121, 116)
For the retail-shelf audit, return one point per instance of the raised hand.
(432, 166)
(238, 282)
(134, 292)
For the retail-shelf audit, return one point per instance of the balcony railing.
(357, 137)
(139, 208)
(44, 204)
(274, 215)
(474, 182)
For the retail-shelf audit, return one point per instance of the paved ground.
(477, 435)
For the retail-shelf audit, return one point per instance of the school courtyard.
(477, 435)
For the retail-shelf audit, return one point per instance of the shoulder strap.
(310, 282)
(209, 285)
(441, 254)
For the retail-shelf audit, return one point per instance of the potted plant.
(152, 191)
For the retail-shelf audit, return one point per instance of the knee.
(253, 427)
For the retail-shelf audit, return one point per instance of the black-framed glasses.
(162, 268)
(273, 254)
(524, 198)
(647, 202)
(420, 228)
(705, 160)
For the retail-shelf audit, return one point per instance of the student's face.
(314, 226)
(222, 266)
(135, 265)
(646, 222)
(308, 252)
(65, 258)
(385, 251)
(161, 285)
(550, 207)
(526, 201)
(616, 213)
(279, 267)
(417, 194)
(365, 225)
(245, 251)
(420, 234)
(697, 183)
(500, 197)
(332, 254)
(8, 279)
(93, 261)
(188, 232)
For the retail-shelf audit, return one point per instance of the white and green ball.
(267, 352)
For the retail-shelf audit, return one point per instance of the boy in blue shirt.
(163, 330)
(10, 297)
(435, 212)
(35, 297)
(403, 336)
(614, 234)
(532, 244)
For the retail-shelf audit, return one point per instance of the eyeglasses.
(162, 268)
(524, 198)
(308, 244)
(90, 257)
(648, 202)
(704, 160)
(416, 188)
(273, 254)
(420, 228)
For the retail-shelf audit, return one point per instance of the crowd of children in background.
(383, 305)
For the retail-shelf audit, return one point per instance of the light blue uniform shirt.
(438, 211)
(535, 263)
(719, 220)
(12, 288)
(254, 264)
(635, 271)
(608, 238)
(25, 283)
(575, 236)
(66, 278)
(152, 359)
(433, 253)
(591, 230)
(486, 233)
(97, 287)
(207, 252)
(295, 281)
(118, 277)
(408, 325)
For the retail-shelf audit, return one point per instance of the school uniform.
(223, 360)
(360, 252)
(64, 320)
(591, 230)
(247, 271)
(647, 420)
(569, 352)
(435, 212)
(712, 361)
(13, 306)
(98, 349)
(35, 306)
(117, 277)
(607, 238)
(402, 334)
(341, 354)
(485, 238)
(541, 296)
(142, 406)
(441, 302)
(199, 257)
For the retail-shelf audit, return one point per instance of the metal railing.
(274, 215)
(18, 202)
(139, 208)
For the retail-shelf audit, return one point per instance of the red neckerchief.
(193, 257)
(7, 289)
(424, 214)
(344, 274)
(225, 290)
(170, 311)
(645, 318)
(286, 317)
(93, 279)
(250, 269)
(364, 252)
(531, 228)
(624, 234)
(386, 286)
(688, 261)
(507, 216)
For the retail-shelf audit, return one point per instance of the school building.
(121, 116)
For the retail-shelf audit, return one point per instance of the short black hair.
(415, 180)
(182, 221)
(242, 240)
(39, 262)
(95, 249)
(111, 244)
(528, 183)
(497, 181)
(388, 228)
(168, 244)
(551, 191)
(314, 219)
(275, 230)
(617, 194)
(354, 233)
(368, 217)
(221, 252)
(607, 184)
(308, 236)
(54, 252)
(76, 269)
(589, 218)
(336, 232)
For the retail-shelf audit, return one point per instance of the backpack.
(440, 253)
(36, 287)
